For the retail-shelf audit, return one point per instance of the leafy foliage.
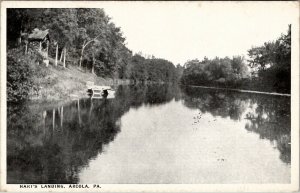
(71, 29)
(218, 71)
(151, 70)
(271, 63)
(20, 73)
(92, 41)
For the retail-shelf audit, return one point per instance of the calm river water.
(152, 134)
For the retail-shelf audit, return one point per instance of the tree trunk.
(80, 60)
(26, 46)
(20, 38)
(40, 49)
(93, 65)
(61, 55)
(93, 69)
(65, 51)
(47, 50)
(44, 120)
(81, 55)
(56, 55)
(83, 46)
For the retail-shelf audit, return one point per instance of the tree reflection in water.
(267, 115)
(51, 145)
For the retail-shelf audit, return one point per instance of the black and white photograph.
(149, 96)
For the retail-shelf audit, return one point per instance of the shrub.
(19, 75)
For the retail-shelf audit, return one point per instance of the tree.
(215, 72)
(239, 67)
(86, 43)
(272, 62)
(87, 36)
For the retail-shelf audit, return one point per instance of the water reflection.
(269, 116)
(53, 145)
(57, 144)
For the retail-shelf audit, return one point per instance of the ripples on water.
(152, 134)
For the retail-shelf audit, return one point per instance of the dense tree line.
(87, 35)
(88, 39)
(151, 70)
(218, 71)
(269, 64)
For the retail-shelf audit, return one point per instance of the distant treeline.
(89, 40)
(218, 71)
(268, 68)
(153, 70)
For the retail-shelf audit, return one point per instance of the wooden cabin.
(39, 40)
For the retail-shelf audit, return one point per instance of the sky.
(181, 31)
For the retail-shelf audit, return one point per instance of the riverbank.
(67, 84)
(242, 90)
(58, 83)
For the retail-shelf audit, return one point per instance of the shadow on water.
(266, 115)
(52, 145)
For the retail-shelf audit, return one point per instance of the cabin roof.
(38, 35)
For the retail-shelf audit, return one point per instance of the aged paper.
(158, 161)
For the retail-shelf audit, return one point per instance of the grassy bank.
(58, 83)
